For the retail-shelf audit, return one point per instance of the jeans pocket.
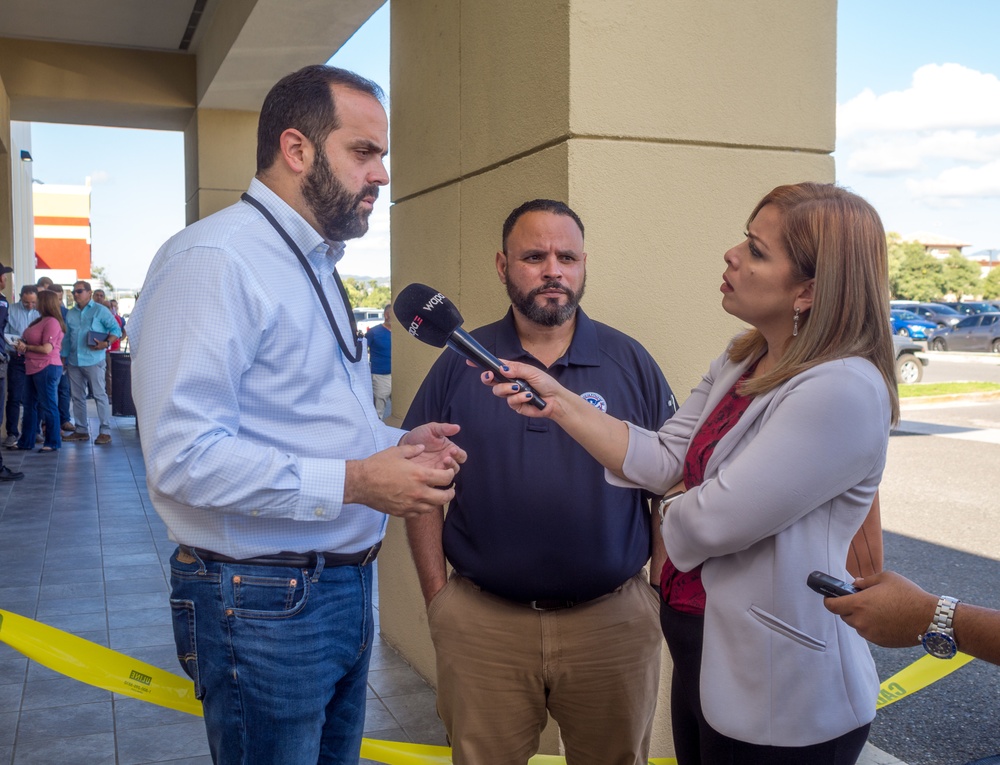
(783, 628)
(185, 638)
(250, 596)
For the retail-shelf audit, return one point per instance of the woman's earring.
(795, 323)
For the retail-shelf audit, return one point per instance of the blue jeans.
(15, 393)
(40, 397)
(64, 397)
(279, 657)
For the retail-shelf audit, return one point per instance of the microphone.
(433, 319)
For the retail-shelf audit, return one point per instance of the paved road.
(948, 366)
(941, 515)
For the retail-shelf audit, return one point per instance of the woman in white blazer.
(774, 459)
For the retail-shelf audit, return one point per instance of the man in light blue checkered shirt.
(264, 455)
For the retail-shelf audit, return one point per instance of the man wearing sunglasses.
(90, 330)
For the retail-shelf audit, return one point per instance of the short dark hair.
(44, 281)
(303, 100)
(29, 289)
(538, 205)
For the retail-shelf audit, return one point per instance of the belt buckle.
(562, 605)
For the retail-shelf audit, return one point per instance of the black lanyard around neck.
(355, 354)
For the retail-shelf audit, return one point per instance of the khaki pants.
(500, 666)
(382, 390)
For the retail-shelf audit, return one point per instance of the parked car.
(970, 308)
(909, 366)
(941, 315)
(908, 324)
(366, 318)
(973, 333)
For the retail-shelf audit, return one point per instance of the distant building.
(62, 232)
(933, 244)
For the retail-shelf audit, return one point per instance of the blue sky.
(918, 135)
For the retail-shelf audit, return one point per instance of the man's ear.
(804, 300)
(502, 267)
(296, 150)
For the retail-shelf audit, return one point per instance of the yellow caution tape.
(918, 675)
(96, 665)
(101, 667)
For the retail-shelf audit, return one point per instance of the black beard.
(337, 211)
(551, 314)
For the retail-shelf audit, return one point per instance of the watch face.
(940, 645)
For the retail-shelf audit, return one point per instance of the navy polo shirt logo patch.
(596, 400)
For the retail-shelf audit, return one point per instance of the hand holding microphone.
(433, 319)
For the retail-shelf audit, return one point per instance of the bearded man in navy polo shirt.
(548, 607)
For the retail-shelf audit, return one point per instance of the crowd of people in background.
(51, 355)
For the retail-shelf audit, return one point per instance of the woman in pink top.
(40, 345)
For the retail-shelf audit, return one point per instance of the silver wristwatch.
(939, 640)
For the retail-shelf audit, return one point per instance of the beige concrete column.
(6, 210)
(220, 150)
(660, 123)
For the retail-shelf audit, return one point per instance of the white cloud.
(99, 176)
(956, 183)
(882, 154)
(945, 96)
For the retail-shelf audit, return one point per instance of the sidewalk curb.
(872, 755)
(914, 401)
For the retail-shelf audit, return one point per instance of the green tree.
(898, 252)
(961, 275)
(100, 272)
(991, 284)
(356, 293)
(378, 296)
(921, 277)
(370, 295)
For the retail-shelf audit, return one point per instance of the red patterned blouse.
(682, 590)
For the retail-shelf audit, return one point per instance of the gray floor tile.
(93, 749)
(132, 572)
(378, 717)
(49, 607)
(142, 617)
(54, 576)
(126, 640)
(398, 681)
(417, 710)
(135, 600)
(71, 590)
(61, 692)
(8, 728)
(135, 713)
(78, 720)
(78, 623)
(162, 743)
(10, 697)
(129, 586)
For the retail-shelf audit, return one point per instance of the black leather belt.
(290, 559)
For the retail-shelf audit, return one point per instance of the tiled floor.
(82, 549)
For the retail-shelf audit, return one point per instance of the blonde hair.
(836, 238)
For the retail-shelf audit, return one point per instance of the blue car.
(910, 325)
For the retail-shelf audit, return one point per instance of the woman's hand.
(603, 436)
(519, 399)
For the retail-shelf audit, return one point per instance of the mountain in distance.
(381, 281)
